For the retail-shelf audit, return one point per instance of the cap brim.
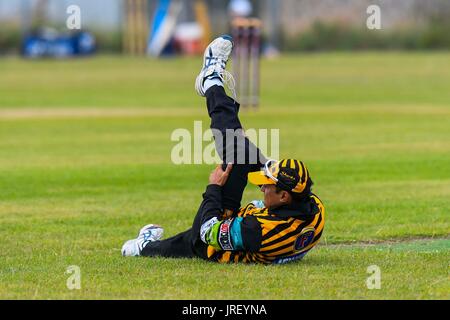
(259, 178)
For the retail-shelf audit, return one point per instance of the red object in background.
(189, 47)
(188, 39)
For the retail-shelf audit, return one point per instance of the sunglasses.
(267, 171)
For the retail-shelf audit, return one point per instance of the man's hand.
(218, 176)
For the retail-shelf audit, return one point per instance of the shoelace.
(229, 80)
(224, 75)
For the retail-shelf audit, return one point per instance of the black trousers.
(236, 149)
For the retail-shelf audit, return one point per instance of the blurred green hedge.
(10, 38)
(338, 36)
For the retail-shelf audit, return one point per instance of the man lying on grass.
(281, 229)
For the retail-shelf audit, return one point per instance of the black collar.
(301, 210)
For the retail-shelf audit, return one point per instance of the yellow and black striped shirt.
(283, 239)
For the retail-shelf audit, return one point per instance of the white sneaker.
(149, 233)
(215, 60)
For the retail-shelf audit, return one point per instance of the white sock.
(211, 82)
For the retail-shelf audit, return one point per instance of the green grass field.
(85, 162)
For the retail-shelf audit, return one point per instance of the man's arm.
(230, 234)
(235, 234)
(211, 210)
(211, 206)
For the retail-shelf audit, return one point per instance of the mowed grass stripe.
(125, 112)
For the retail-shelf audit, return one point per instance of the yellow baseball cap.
(287, 174)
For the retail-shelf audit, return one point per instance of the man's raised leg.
(232, 146)
(231, 143)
